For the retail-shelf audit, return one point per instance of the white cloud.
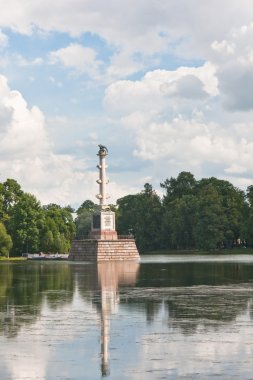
(233, 58)
(173, 117)
(223, 47)
(196, 118)
(3, 39)
(24, 130)
(23, 62)
(149, 28)
(123, 65)
(76, 56)
(27, 155)
(162, 91)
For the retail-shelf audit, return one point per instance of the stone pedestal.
(104, 250)
(103, 226)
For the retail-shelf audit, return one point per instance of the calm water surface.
(169, 317)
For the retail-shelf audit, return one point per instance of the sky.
(165, 85)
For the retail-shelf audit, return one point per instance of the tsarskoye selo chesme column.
(103, 242)
(102, 181)
(103, 222)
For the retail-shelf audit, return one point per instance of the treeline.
(27, 226)
(192, 214)
(205, 214)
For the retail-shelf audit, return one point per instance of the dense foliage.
(205, 214)
(26, 226)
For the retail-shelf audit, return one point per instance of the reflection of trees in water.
(26, 286)
(193, 273)
(5, 279)
(190, 308)
(251, 308)
(192, 294)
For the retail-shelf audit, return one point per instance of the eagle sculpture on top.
(102, 147)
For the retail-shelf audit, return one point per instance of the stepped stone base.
(103, 250)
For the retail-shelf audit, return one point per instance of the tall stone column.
(103, 222)
(103, 243)
(102, 181)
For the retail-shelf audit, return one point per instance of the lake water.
(169, 317)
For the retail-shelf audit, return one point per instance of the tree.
(26, 222)
(83, 223)
(233, 204)
(48, 241)
(209, 219)
(87, 205)
(141, 214)
(59, 228)
(185, 211)
(247, 223)
(83, 219)
(178, 221)
(178, 211)
(5, 241)
(184, 184)
(10, 192)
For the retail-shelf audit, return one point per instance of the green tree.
(247, 223)
(83, 223)
(141, 214)
(184, 184)
(26, 221)
(5, 241)
(10, 192)
(179, 211)
(58, 229)
(48, 241)
(233, 204)
(83, 219)
(209, 219)
(178, 221)
(87, 205)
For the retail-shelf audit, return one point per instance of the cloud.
(162, 91)
(3, 39)
(23, 62)
(236, 82)
(76, 56)
(233, 58)
(150, 29)
(188, 87)
(27, 155)
(23, 127)
(193, 113)
(173, 117)
(122, 65)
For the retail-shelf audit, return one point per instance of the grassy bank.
(12, 258)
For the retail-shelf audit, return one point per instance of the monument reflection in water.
(177, 317)
(52, 311)
(111, 275)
